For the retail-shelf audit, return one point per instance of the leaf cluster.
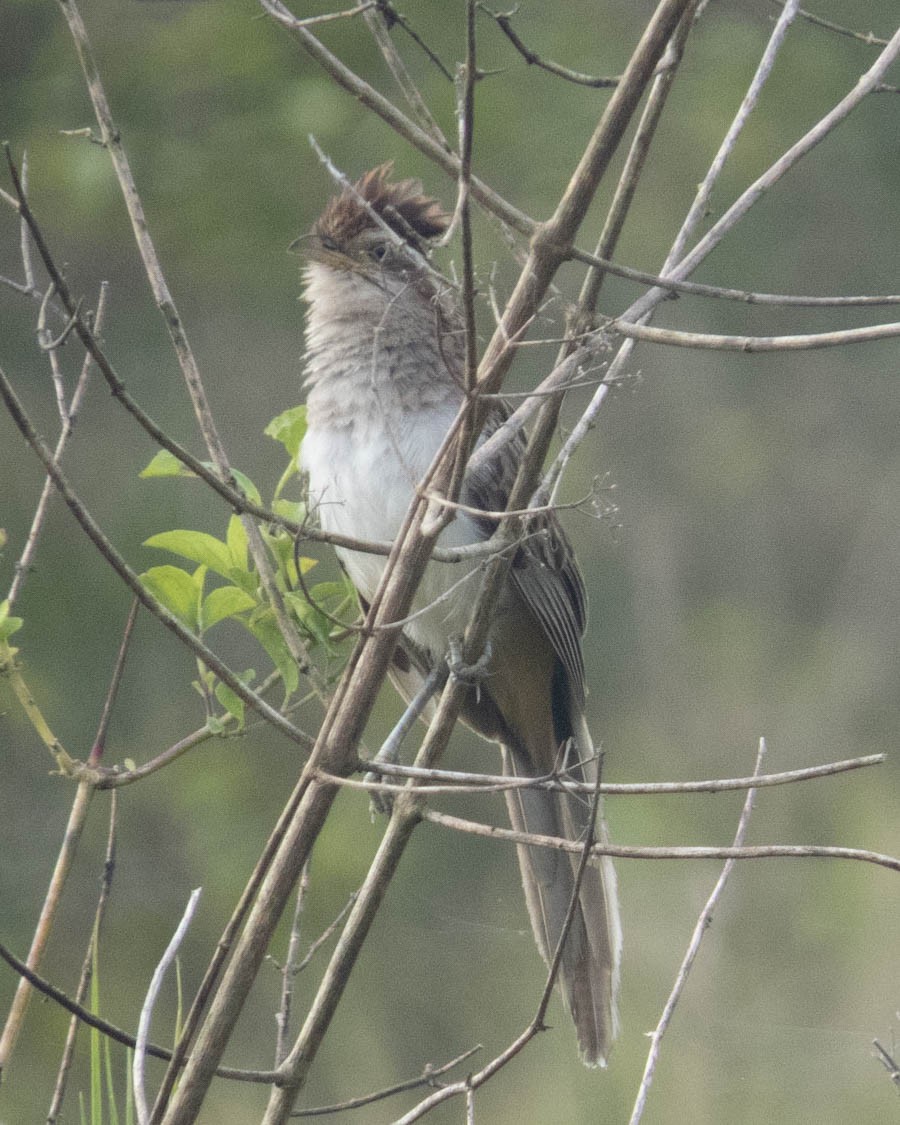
(225, 585)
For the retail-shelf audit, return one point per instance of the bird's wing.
(543, 570)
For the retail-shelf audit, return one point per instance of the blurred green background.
(744, 586)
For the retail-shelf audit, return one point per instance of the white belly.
(362, 481)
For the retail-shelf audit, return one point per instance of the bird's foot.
(459, 669)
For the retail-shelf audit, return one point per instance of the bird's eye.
(379, 251)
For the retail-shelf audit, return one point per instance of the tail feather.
(589, 966)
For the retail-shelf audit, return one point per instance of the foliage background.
(745, 586)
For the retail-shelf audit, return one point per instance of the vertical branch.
(87, 966)
(690, 956)
(289, 970)
(700, 206)
(40, 513)
(377, 24)
(466, 78)
(143, 1032)
(634, 164)
(74, 828)
(24, 237)
(467, 81)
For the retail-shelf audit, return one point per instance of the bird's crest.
(402, 205)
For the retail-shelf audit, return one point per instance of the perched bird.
(384, 365)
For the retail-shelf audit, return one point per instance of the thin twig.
(726, 293)
(24, 242)
(504, 22)
(673, 338)
(693, 949)
(143, 1033)
(455, 781)
(697, 210)
(801, 148)
(376, 21)
(87, 967)
(888, 1062)
(369, 97)
(395, 17)
(24, 563)
(330, 17)
(862, 36)
(621, 851)
(700, 205)
(428, 1077)
(289, 971)
(634, 166)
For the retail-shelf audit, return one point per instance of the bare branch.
(862, 36)
(85, 1016)
(87, 966)
(289, 971)
(428, 1077)
(376, 21)
(454, 781)
(888, 1062)
(23, 566)
(369, 97)
(620, 851)
(504, 22)
(143, 1034)
(681, 267)
(693, 949)
(674, 338)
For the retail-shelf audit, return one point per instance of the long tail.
(589, 968)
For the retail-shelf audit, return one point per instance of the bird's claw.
(460, 670)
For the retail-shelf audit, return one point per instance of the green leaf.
(313, 622)
(236, 538)
(232, 703)
(289, 428)
(225, 601)
(291, 509)
(214, 724)
(334, 595)
(247, 486)
(265, 628)
(166, 464)
(8, 625)
(176, 589)
(282, 547)
(196, 546)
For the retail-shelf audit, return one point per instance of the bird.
(384, 370)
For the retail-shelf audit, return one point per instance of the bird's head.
(376, 227)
